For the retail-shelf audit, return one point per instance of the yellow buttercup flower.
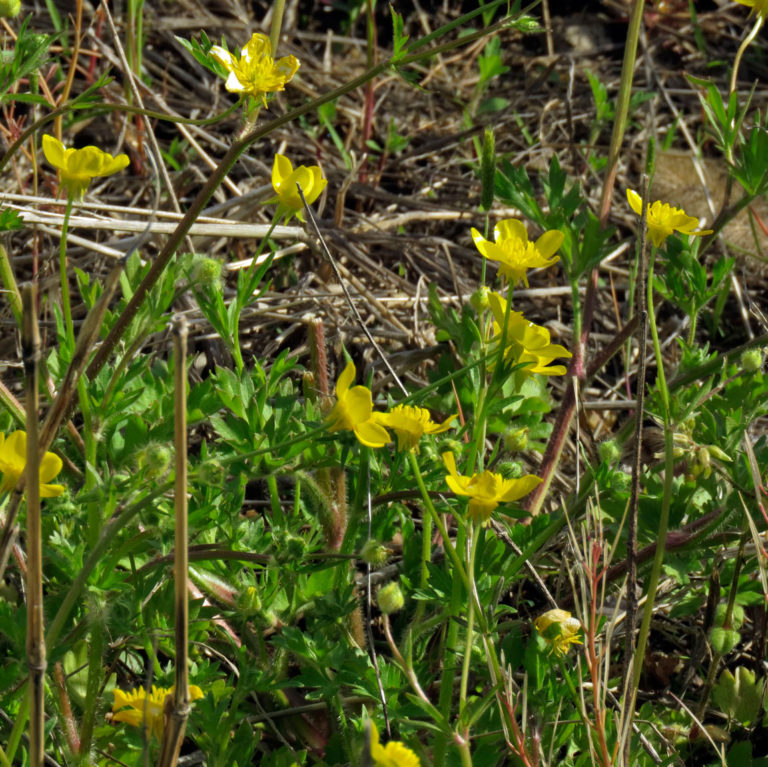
(284, 180)
(353, 411)
(146, 708)
(663, 219)
(559, 630)
(394, 754)
(13, 461)
(410, 424)
(515, 253)
(77, 167)
(524, 341)
(488, 489)
(255, 72)
(759, 7)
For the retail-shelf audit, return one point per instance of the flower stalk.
(36, 656)
(173, 734)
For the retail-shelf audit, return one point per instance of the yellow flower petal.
(13, 461)
(663, 219)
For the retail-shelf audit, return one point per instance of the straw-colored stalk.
(177, 710)
(35, 618)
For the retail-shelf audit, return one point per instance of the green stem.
(474, 533)
(666, 500)
(743, 47)
(9, 282)
(66, 305)
(450, 550)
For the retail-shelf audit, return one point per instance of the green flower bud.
(719, 454)
(390, 598)
(610, 451)
(154, 459)
(479, 299)
(751, 360)
(206, 274)
(451, 446)
(212, 472)
(510, 469)
(621, 481)
(516, 439)
(249, 601)
(289, 548)
(9, 8)
(374, 553)
(723, 640)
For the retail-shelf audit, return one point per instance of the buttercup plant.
(344, 560)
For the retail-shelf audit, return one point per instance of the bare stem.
(179, 711)
(35, 632)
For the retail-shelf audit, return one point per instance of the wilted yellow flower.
(663, 219)
(410, 424)
(524, 341)
(256, 72)
(13, 461)
(488, 489)
(515, 253)
(284, 180)
(559, 630)
(394, 754)
(353, 411)
(146, 708)
(759, 7)
(78, 166)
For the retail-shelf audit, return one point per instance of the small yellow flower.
(353, 411)
(146, 708)
(410, 424)
(255, 72)
(559, 630)
(394, 754)
(515, 253)
(663, 219)
(284, 180)
(525, 342)
(487, 490)
(78, 166)
(759, 7)
(13, 461)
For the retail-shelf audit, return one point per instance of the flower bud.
(516, 439)
(206, 274)
(211, 472)
(154, 459)
(451, 446)
(249, 601)
(723, 640)
(610, 451)
(558, 629)
(621, 481)
(390, 598)
(751, 360)
(510, 469)
(9, 8)
(374, 553)
(479, 299)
